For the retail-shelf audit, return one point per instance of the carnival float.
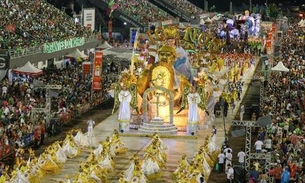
(175, 59)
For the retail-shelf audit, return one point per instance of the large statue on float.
(178, 60)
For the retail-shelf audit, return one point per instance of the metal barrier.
(18, 53)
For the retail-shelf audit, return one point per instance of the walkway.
(176, 147)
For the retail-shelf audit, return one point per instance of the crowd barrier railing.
(18, 53)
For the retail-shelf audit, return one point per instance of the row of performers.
(55, 155)
(100, 162)
(198, 169)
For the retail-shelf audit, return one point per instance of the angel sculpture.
(186, 98)
(130, 95)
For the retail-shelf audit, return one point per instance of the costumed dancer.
(128, 174)
(124, 110)
(81, 140)
(182, 168)
(70, 147)
(212, 142)
(138, 175)
(155, 158)
(118, 147)
(104, 159)
(19, 155)
(90, 123)
(193, 99)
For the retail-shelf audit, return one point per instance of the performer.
(90, 123)
(214, 131)
(193, 116)
(124, 111)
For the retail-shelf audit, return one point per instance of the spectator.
(241, 156)
(258, 146)
(221, 161)
(230, 174)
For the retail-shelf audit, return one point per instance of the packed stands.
(285, 101)
(143, 11)
(18, 98)
(186, 6)
(30, 23)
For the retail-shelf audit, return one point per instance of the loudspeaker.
(239, 174)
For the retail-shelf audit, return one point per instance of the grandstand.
(183, 9)
(26, 24)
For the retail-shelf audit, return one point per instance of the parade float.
(172, 60)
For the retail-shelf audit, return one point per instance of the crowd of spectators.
(143, 11)
(121, 44)
(186, 6)
(31, 23)
(20, 124)
(285, 102)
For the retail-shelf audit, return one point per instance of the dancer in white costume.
(193, 99)
(155, 158)
(69, 146)
(60, 153)
(117, 146)
(124, 111)
(90, 123)
(182, 169)
(150, 164)
(20, 177)
(80, 139)
(128, 174)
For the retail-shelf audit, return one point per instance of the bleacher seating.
(26, 24)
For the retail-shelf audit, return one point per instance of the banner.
(65, 44)
(86, 68)
(109, 29)
(133, 33)
(4, 63)
(89, 18)
(97, 71)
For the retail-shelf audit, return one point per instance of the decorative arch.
(171, 102)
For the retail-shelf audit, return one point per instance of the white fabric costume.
(124, 111)
(193, 100)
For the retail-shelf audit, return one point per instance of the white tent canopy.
(119, 52)
(105, 45)
(28, 69)
(280, 67)
(76, 54)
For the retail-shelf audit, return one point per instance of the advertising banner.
(89, 18)
(61, 45)
(86, 68)
(97, 71)
(4, 63)
(133, 33)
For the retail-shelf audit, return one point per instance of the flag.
(10, 28)
(133, 51)
(112, 6)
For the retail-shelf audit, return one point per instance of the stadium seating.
(30, 23)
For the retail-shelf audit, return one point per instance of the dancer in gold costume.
(70, 147)
(118, 147)
(182, 168)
